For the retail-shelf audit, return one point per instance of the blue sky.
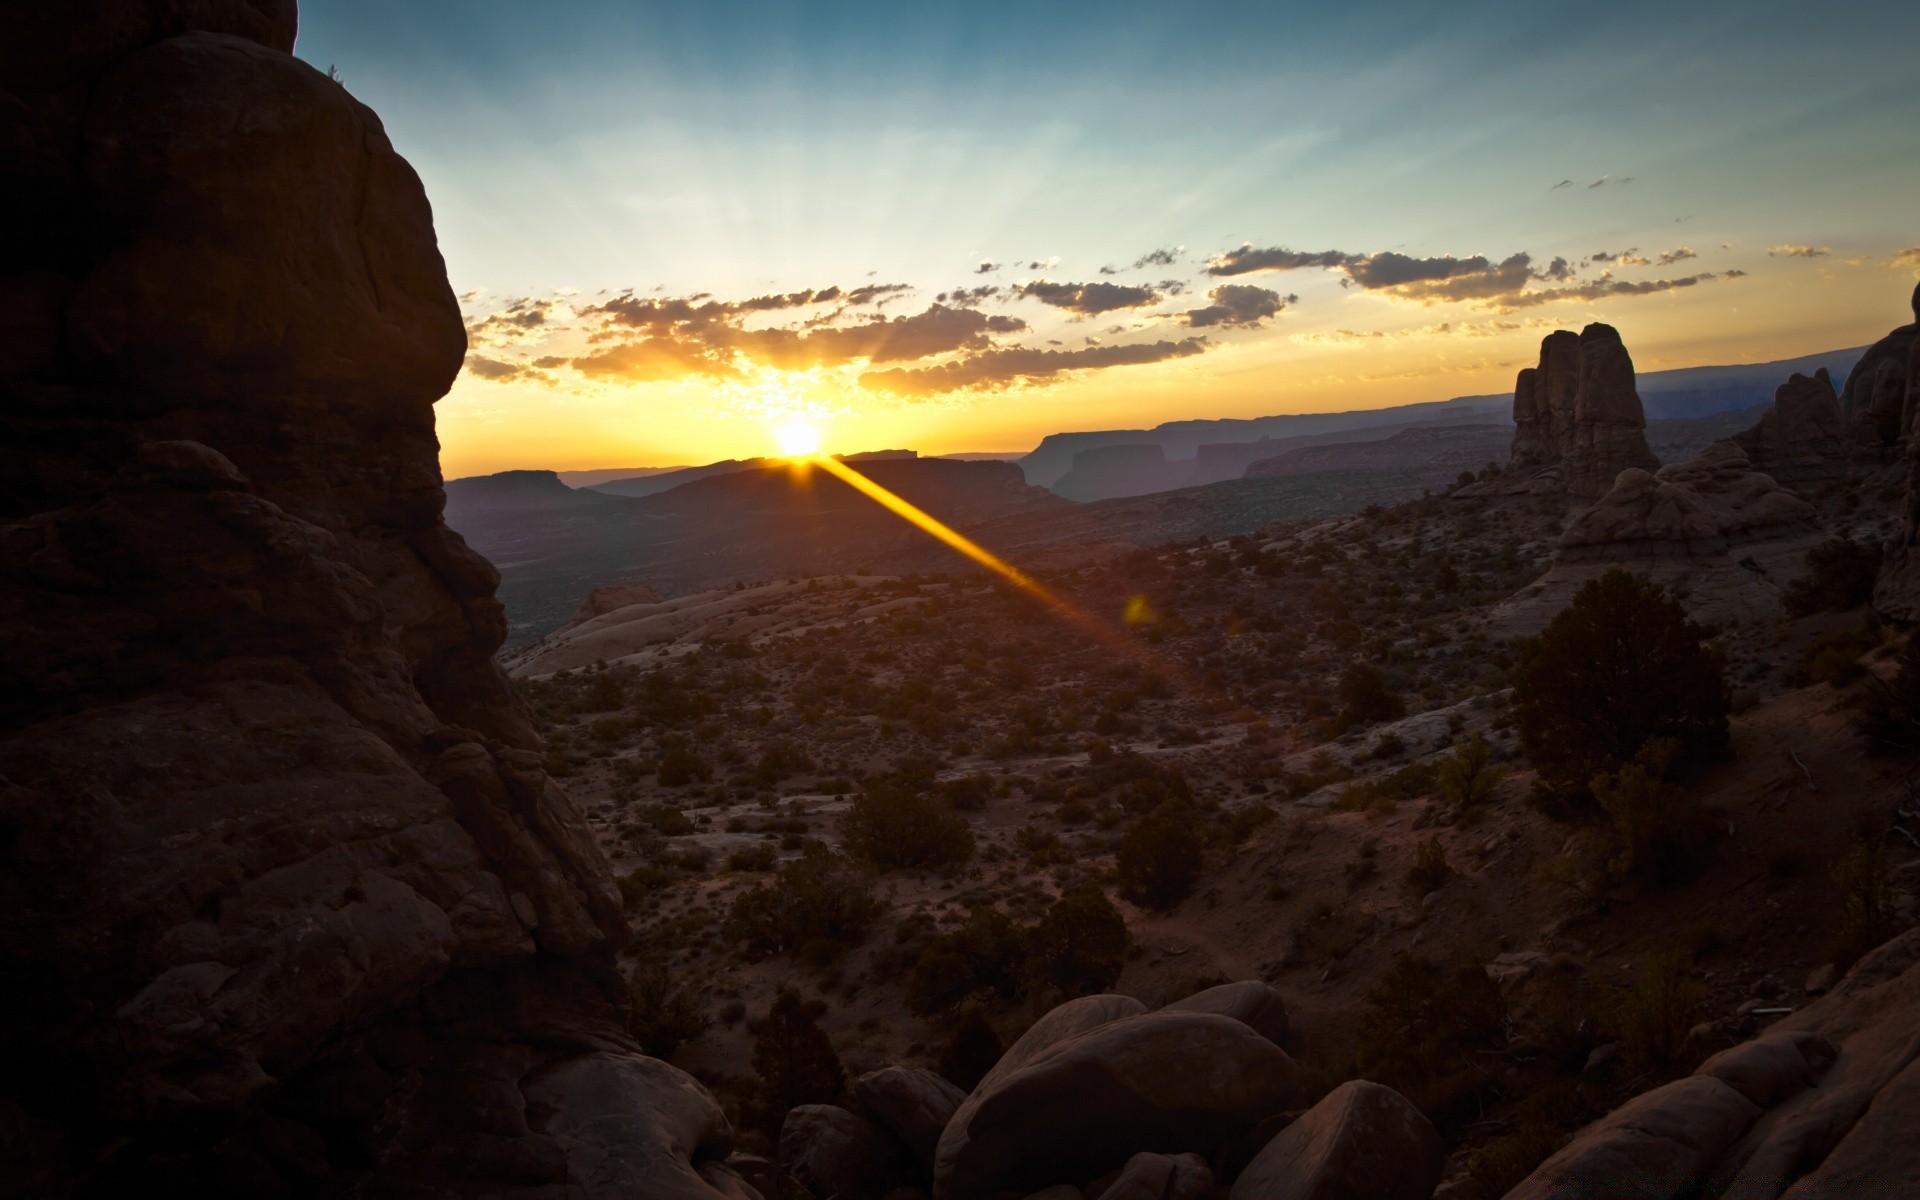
(736, 149)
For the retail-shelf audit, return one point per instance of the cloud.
(494, 369)
(1046, 264)
(1156, 258)
(1557, 270)
(1564, 183)
(1088, 299)
(513, 323)
(1733, 274)
(1247, 259)
(1600, 182)
(1907, 258)
(986, 267)
(876, 293)
(1239, 304)
(1613, 256)
(969, 297)
(1791, 250)
(1433, 280)
(1000, 368)
(1605, 288)
(1682, 254)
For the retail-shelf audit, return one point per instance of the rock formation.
(1721, 535)
(291, 906)
(1577, 415)
(1876, 399)
(1822, 1104)
(1898, 591)
(1802, 438)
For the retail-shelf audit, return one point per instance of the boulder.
(841, 1156)
(1150, 1176)
(1060, 1023)
(1657, 1145)
(912, 1104)
(1168, 1082)
(629, 1125)
(1361, 1140)
(1249, 1002)
(1770, 1068)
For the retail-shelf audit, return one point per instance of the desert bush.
(661, 697)
(821, 902)
(1867, 896)
(662, 1017)
(1469, 774)
(1840, 575)
(1430, 870)
(1543, 1123)
(1652, 1018)
(1159, 859)
(1365, 698)
(680, 766)
(1657, 831)
(1619, 666)
(636, 885)
(1421, 1027)
(794, 1061)
(1888, 710)
(1834, 659)
(987, 952)
(972, 1050)
(1080, 945)
(761, 857)
(902, 820)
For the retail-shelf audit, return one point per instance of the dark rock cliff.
(288, 904)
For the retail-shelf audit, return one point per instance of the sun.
(797, 439)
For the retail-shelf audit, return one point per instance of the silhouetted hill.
(530, 490)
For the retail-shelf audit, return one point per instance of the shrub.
(901, 820)
(972, 1050)
(760, 857)
(1657, 830)
(1545, 1121)
(1080, 945)
(1868, 899)
(1889, 709)
(1430, 870)
(821, 901)
(794, 1060)
(987, 952)
(1468, 775)
(680, 766)
(1619, 666)
(1160, 858)
(1365, 698)
(1652, 1018)
(661, 1017)
(1840, 575)
(1834, 659)
(1420, 1030)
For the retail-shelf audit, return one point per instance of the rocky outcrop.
(914, 1105)
(1803, 437)
(1876, 399)
(1167, 1082)
(612, 598)
(1578, 421)
(1721, 536)
(1249, 1002)
(1897, 594)
(1361, 1140)
(290, 903)
(838, 1154)
(1822, 1104)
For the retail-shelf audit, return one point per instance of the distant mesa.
(655, 482)
(517, 490)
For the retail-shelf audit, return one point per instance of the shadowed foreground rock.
(1361, 1140)
(291, 906)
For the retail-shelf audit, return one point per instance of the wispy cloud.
(1089, 299)
(997, 369)
(1239, 304)
(1793, 250)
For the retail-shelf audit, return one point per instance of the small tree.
(821, 903)
(972, 1050)
(1840, 575)
(1080, 944)
(1653, 1017)
(1889, 709)
(1619, 666)
(794, 1059)
(1658, 830)
(1160, 858)
(904, 821)
(1365, 698)
(1469, 773)
(662, 1017)
(1868, 897)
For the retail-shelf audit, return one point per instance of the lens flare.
(797, 439)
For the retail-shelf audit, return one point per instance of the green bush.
(902, 820)
(1888, 710)
(794, 1060)
(1160, 858)
(1840, 575)
(1430, 870)
(1868, 899)
(1421, 1028)
(1080, 945)
(821, 902)
(1657, 831)
(1652, 1018)
(1619, 666)
(662, 1017)
(986, 953)
(1366, 699)
(1468, 775)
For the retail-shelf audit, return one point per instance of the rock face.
(289, 896)
(1166, 1082)
(1249, 1002)
(839, 1155)
(1803, 437)
(1822, 1104)
(1876, 399)
(914, 1105)
(603, 600)
(1577, 414)
(1362, 1140)
(1720, 535)
(1898, 592)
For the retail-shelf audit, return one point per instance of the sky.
(683, 232)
